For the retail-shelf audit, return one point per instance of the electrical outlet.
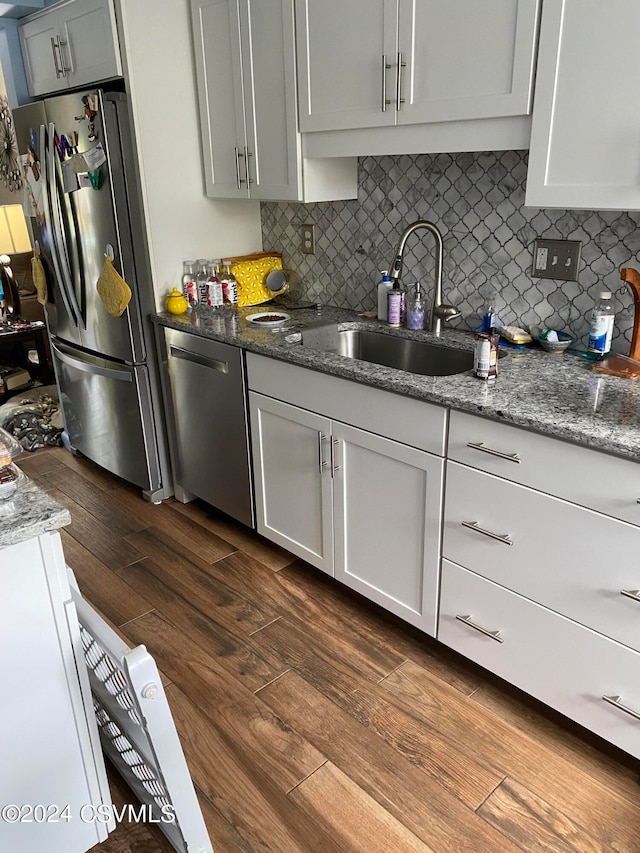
(558, 259)
(308, 233)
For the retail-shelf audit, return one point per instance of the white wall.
(181, 221)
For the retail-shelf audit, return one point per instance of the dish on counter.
(268, 319)
(564, 340)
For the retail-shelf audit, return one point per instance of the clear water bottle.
(214, 287)
(189, 285)
(601, 329)
(229, 284)
(202, 277)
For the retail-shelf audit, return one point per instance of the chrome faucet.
(440, 312)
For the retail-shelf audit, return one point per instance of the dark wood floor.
(310, 720)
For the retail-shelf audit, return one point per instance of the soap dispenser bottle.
(383, 291)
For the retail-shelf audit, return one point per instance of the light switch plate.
(557, 259)
(308, 233)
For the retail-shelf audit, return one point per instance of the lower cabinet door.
(292, 471)
(387, 500)
(584, 675)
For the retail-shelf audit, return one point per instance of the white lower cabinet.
(537, 588)
(575, 561)
(53, 772)
(539, 580)
(590, 678)
(386, 501)
(292, 479)
(356, 505)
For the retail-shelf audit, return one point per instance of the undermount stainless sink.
(400, 353)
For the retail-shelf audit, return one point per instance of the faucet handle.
(446, 312)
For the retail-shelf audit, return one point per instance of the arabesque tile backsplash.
(477, 200)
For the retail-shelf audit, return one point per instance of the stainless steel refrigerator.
(83, 197)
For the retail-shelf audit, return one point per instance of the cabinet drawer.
(588, 477)
(552, 658)
(412, 422)
(572, 560)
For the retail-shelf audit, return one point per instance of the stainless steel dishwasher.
(205, 390)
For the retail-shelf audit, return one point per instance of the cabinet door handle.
(247, 154)
(482, 447)
(63, 65)
(494, 635)
(474, 525)
(399, 98)
(334, 467)
(239, 180)
(631, 593)
(54, 47)
(616, 701)
(385, 67)
(321, 463)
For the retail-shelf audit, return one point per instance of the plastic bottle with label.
(214, 287)
(395, 304)
(189, 285)
(601, 329)
(229, 284)
(202, 277)
(383, 291)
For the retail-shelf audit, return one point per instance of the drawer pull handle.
(616, 701)
(473, 525)
(631, 593)
(494, 635)
(482, 447)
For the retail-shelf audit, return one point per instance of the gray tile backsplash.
(477, 200)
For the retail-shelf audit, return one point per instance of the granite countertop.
(29, 513)
(556, 395)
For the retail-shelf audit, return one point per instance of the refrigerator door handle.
(89, 366)
(65, 280)
(44, 157)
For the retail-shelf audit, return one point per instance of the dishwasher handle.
(196, 358)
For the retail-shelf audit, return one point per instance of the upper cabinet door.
(90, 46)
(342, 51)
(74, 44)
(216, 30)
(585, 139)
(466, 60)
(268, 54)
(40, 40)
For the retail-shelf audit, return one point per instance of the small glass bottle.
(189, 285)
(415, 310)
(214, 287)
(229, 284)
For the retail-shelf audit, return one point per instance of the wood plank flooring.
(312, 720)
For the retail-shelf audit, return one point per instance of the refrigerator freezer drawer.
(107, 413)
(209, 407)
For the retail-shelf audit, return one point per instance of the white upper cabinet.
(585, 139)
(245, 64)
(395, 62)
(71, 45)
